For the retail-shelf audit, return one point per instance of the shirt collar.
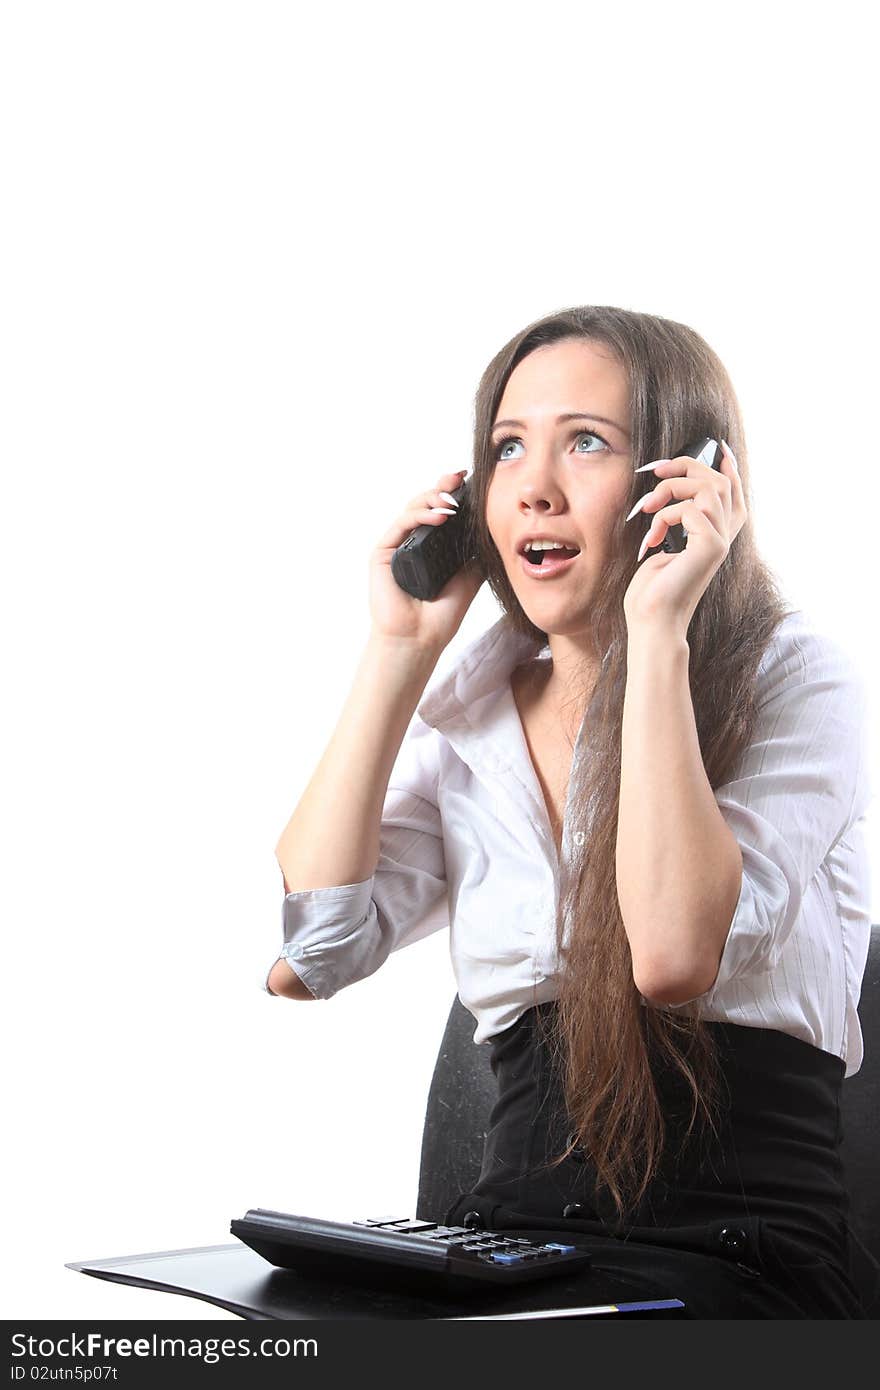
(481, 669)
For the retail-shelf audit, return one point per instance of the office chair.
(463, 1091)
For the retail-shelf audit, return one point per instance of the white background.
(256, 258)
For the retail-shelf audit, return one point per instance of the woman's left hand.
(709, 503)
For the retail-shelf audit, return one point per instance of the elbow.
(663, 986)
(690, 972)
(284, 981)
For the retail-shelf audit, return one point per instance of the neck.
(574, 669)
(563, 685)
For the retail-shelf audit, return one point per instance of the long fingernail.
(446, 498)
(447, 511)
(730, 454)
(654, 464)
(644, 545)
(641, 502)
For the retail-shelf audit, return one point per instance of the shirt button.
(473, 1220)
(733, 1239)
(294, 951)
(578, 837)
(574, 1210)
(578, 1156)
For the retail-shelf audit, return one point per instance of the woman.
(637, 803)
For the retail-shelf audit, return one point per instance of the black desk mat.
(238, 1279)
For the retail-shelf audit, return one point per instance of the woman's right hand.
(395, 613)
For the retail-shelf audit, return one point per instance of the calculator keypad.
(486, 1245)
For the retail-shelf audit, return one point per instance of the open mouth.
(537, 557)
(543, 564)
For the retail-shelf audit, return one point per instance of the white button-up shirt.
(466, 845)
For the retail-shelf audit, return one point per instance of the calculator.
(385, 1248)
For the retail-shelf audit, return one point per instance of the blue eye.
(506, 439)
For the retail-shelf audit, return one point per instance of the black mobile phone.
(431, 555)
(708, 451)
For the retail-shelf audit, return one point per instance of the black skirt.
(753, 1224)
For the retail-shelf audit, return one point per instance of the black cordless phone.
(708, 451)
(430, 555)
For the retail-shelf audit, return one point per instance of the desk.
(238, 1279)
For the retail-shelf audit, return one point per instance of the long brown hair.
(607, 1041)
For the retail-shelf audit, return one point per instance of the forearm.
(679, 866)
(332, 838)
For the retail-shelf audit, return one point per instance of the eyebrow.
(560, 419)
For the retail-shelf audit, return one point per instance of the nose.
(543, 500)
(539, 488)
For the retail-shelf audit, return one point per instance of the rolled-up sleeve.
(800, 784)
(335, 936)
